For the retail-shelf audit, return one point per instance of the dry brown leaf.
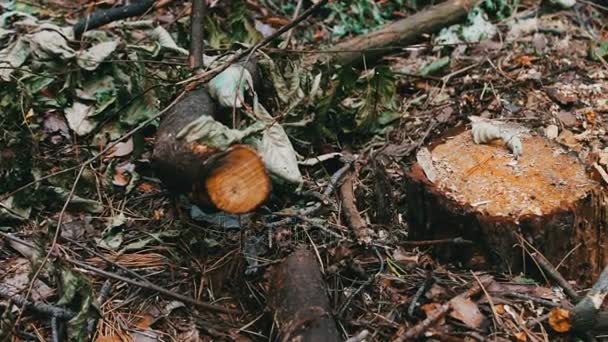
(466, 311)
(521, 336)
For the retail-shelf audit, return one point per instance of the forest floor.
(97, 238)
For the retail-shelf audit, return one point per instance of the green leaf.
(138, 111)
(434, 67)
(78, 293)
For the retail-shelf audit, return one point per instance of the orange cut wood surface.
(239, 182)
(544, 179)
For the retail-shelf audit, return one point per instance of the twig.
(350, 211)
(431, 318)
(196, 80)
(102, 17)
(454, 241)
(55, 329)
(555, 275)
(104, 293)
(295, 15)
(197, 14)
(536, 300)
(53, 242)
(421, 290)
(151, 286)
(331, 187)
(47, 309)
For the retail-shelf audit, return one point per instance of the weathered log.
(481, 193)
(234, 180)
(299, 300)
(385, 39)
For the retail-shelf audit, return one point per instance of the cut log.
(481, 193)
(299, 300)
(234, 180)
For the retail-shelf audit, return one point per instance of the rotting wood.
(482, 194)
(299, 300)
(396, 34)
(235, 180)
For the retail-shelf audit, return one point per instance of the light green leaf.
(138, 111)
(208, 131)
(78, 118)
(76, 201)
(166, 41)
(435, 66)
(13, 57)
(49, 41)
(224, 87)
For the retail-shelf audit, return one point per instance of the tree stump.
(481, 193)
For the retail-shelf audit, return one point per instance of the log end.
(237, 181)
(544, 180)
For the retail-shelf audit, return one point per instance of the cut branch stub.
(234, 180)
(482, 194)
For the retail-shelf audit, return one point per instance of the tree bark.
(299, 300)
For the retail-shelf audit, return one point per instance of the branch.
(102, 17)
(196, 34)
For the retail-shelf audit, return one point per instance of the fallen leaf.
(90, 58)
(567, 118)
(551, 132)
(466, 311)
(122, 149)
(78, 118)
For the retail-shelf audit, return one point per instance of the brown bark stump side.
(234, 180)
(299, 300)
(398, 33)
(481, 194)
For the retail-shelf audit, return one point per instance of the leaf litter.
(92, 92)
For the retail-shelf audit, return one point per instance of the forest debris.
(551, 132)
(485, 131)
(424, 158)
(378, 42)
(566, 118)
(442, 310)
(350, 211)
(102, 17)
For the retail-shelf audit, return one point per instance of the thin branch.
(197, 45)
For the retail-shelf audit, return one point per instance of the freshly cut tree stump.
(234, 180)
(481, 193)
(299, 300)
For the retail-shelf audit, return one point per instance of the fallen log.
(394, 35)
(480, 192)
(299, 300)
(234, 180)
